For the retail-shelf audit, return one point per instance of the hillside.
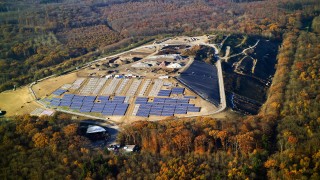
(40, 38)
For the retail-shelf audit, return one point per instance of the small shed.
(130, 148)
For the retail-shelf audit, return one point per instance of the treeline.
(202, 135)
(298, 129)
(46, 147)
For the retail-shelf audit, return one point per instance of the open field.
(17, 102)
(46, 87)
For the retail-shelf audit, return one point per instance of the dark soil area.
(202, 78)
(247, 85)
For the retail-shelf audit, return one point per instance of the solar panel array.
(77, 83)
(156, 87)
(122, 86)
(176, 90)
(144, 87)
(85, 104)
(111, 87)
(93, 86)
(134, 87)
(59, 92)
(164, 93)
(164, 107)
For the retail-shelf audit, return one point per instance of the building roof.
(129, 147)
(95, 129)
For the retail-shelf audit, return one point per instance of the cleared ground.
(17, 102)
(46, 87)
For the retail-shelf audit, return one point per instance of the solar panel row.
(86, 104)
(145, 110)
(59, 92)
(141, 100)
(164, 93)
(172, 91)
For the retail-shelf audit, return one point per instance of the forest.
(280, 142)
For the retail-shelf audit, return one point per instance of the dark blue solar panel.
(155, 113)
(176, 92)
(168, 110)
(143, 115)
(47, 100)
(88, 104)
(194, 109)
(55, 99)
(121, 109)
(164, 92)
(85, 110)
(55, 103)
(166, 114)
(68, 96)
(117, 102)
(118, 113)
(183, 100)
(159, 101)
(75, 107)
(191, 97)
(110, 105)
(184, 105)
(142, 98)
(140, 102)
(119, 98)
(103, 98)
(96, 110)
(98, 105)
(89, 98)
(145, 106)
(78, 98)
(58, 92)
(109, 109)
(65, 104)
(158, 105)
(107, 113)
(80, 103)
(66, 100)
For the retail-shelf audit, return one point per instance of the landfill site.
(151, 82)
